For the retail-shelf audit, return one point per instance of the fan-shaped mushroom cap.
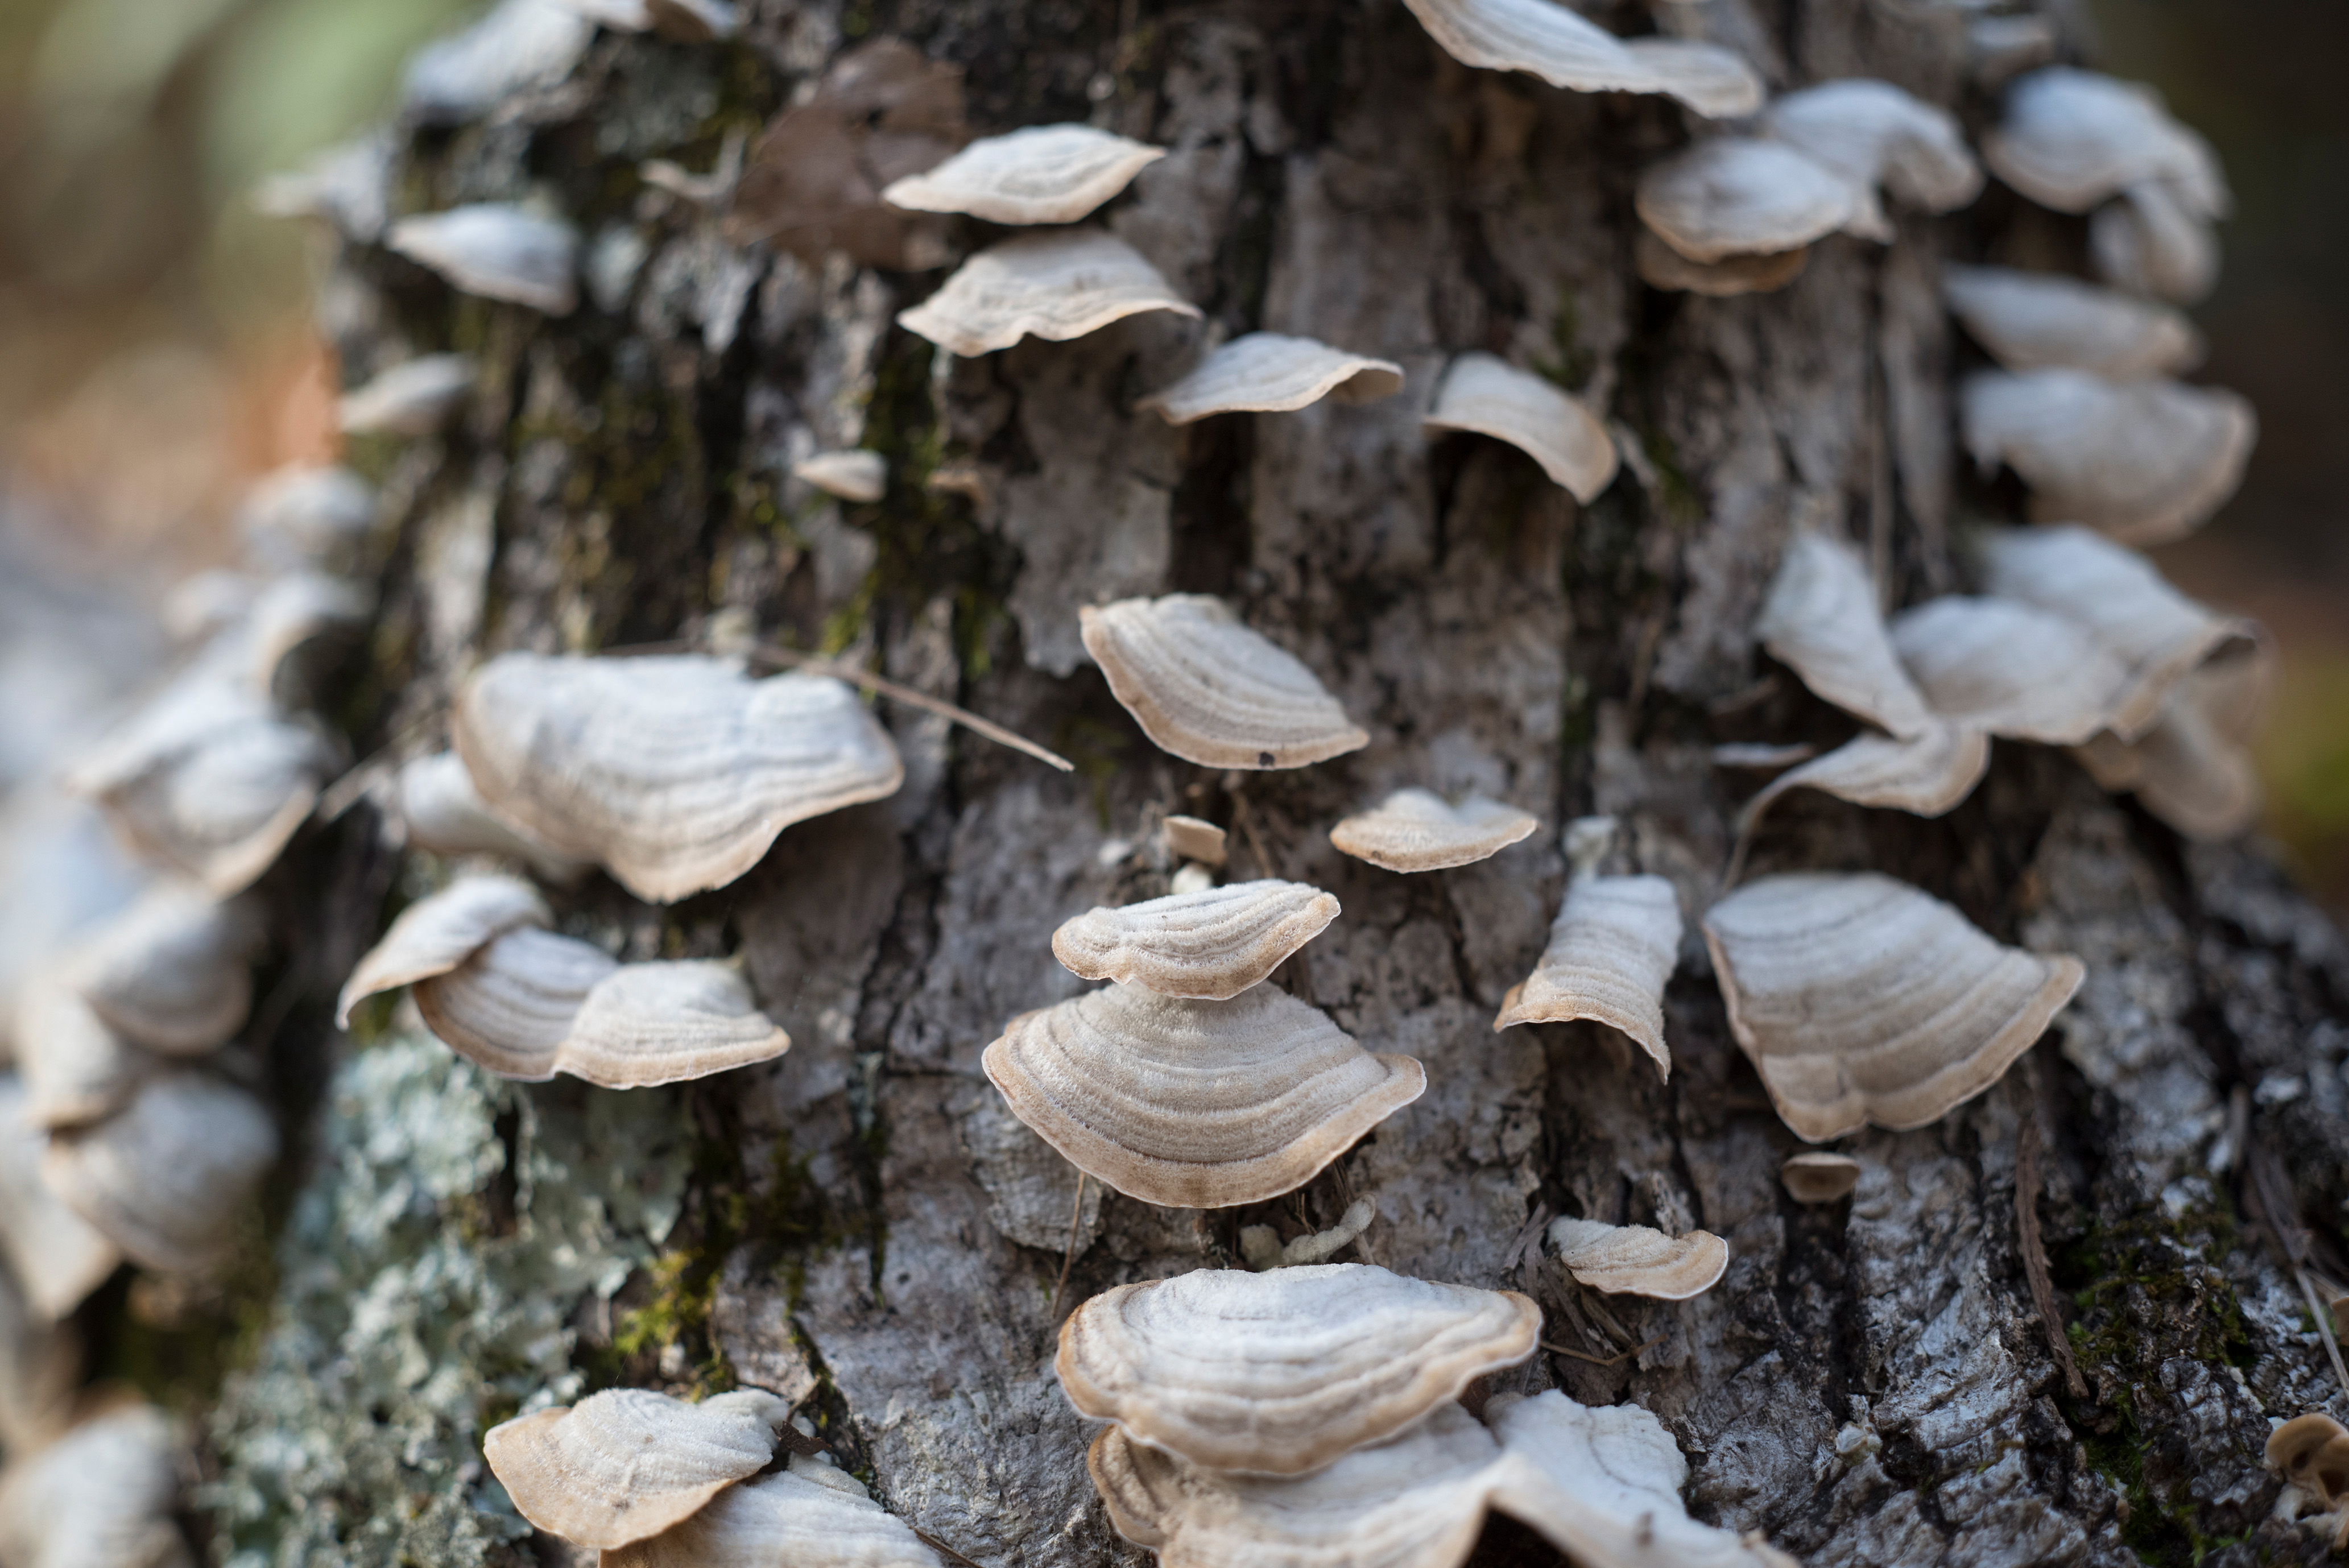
(348, 184)
(301, 516)
(519, 43)
(1419, 831)
(1926, 773)
(76, 1067)
(1612, 947)
(1739, 195)
(2141, 461)
(1211, 691)
(101, 1496)
(626, 1464)
(1820, 620)
(1661, 266)
(1633, 1260)
(1871, 133)
(445, 814)
(498, 251)
(1194, 1104)
(1193, 839)
(676, 773)
(1816, 1176)
(1056, 285)
(1038, 174)
(690, 21)
(1566, 50)
(2145, 241)
(165, 1178)
(509, 1006)
(647, 1023)
(2008, 667)
(1214, 944)
(53, 1253)
(808, 1516)
(1281, 1373)
(2117, 597)
(1861, 999)
(292, 610)
(434, 935)
(414, 398)
(858, 475)
(2312, 1452)
(2190, 769)
(1490, 397)
(40, 1372)
(173, 972)
(2034, 320)
(2072, 137)
(1267, 372)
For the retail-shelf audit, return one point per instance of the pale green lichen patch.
(432, 1268)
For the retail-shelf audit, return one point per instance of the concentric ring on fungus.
(627, 1463)
(1214, 944)
(1209, 690)
(1195, 1104)
(1282, 1372)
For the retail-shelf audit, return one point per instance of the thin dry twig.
(2027, 1188)
(935, 1544)
(1245, 820)
(1527, 1239)
(1602, 1360)
(1068, 1257)
(2267, 1191)
(815, 663)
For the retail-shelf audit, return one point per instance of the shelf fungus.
(1661, 266)
(1738, 197)
(1038, 174)
(166, 1176)
(1487, 395)
(2011, 668)
(1057, 285)
(1547, 40)
(1195, 1104)
(434, 935)
(2041, 320)
(2144, 462)
(1926, 774)
(1212, 944)
(2192, 767)
(1873, 135)
(1634, 1260)
(2075, 141)
(1209, 690)
(1269, 373)
(497, 252)
(1192, 838)
(857, 475)
(2311, 1453)
(1861, 999)
(1816, 1176)
(624, 1465)
(687, 21)
(305, 516)
(675, 774)
(444, 813)
(414, 398)
(103, 1495)
(808, 1515)
(518, 45)
(1285, 1372)
(1612, 948)
(55, 1256)
(77, 1069)
(173, 971)
(1419, 831)
(1820, 620)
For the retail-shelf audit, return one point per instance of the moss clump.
(428, 1274)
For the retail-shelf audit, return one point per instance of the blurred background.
(154, 349)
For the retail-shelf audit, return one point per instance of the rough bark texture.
(865, 1223)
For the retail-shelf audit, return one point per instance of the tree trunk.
(863, 1225)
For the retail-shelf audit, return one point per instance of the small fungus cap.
(1861, 999)
(2312, 1452)
(1211, 691)
(1927, 774)
(2071, 138)
(1283, 1372)
(1820, 620)
(1740, 195)
(1419, 831)
(1566, 50)
(1057, 285)
(858, 475)
(1489, 397)
(1038, 174)
(414, 398)
(445, 814)
(1195, 1104)
(2036, 321)
(807, 1516)
(1213, 944)
(1816, 1176)
(434, 935)
(57, 1256)
(1193, 839)
(1661, 266)
(497, 252)
(1612, 948)
(100, 1496)
(173, 973)
(1266, 372)
(648, 1023)
(2013, 669)
(1871, 133)
(511, 1006)
(627, 1463)
(165, 1178)
(1635, 1260)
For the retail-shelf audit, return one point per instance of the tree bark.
(864, 1225)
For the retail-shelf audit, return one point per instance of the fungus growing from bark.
(1419, 831)
(1634, 1260)
(510, 1004)
(1195, 1104)
(674, 773)
(1038, 174)
(1861, 999)
(1191, 838)
(1211, 691)
(626, 1464)
(2038, 321)
(2010, 668)
(1261, 1247)
(445, 814)
(2143, 462)
(1212, 944)
(434, 935)
(53, 1253)
(347, 185)
(414, 398)
(1612, 948)
(1820, 620)
(808, 1515)
(1816, 1176)
(1489, 397)
(303, 516)
(687, 21)
(1056, 285)
(1566, 50)
(75, 1069)
(1283, 1372)
(859, 475)
(1874, 135)
(2192, 767)
(1741, 196)
(1661, 266)
(165, 1178)
(518, 45)
(101, 1496)
(1926, 774)
(172, 973)
(1266, 372)
(498, 251)
(2311, 1453)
